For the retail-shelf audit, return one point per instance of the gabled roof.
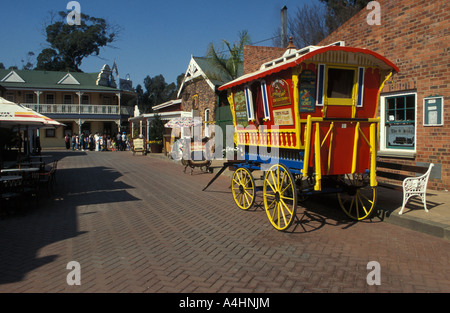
(166, 104)
(203, 68)
(311, 53)
(52, 80)
(12, 77)
(69, 80)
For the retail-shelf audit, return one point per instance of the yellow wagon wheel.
(243, 188)
(280, 196)
(358, 199)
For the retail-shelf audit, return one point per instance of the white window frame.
(384, 150)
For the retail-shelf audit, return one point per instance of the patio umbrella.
(47, 121)
(15, 115)
(183, 122)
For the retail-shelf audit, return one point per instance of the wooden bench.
(410, 185)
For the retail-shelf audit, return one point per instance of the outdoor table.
(20, 170)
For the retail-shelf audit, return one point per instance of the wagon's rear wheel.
(280, 196)
(358, 199)
(243, 188)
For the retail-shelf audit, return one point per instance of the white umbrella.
(13, 114)
(16, 115)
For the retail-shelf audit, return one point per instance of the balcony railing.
(78, 109)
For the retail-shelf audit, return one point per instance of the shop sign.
(307, 91)
(279, 91)
(240, 108)
(283, 117)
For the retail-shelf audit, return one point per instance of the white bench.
(411, 186)
(416, 186)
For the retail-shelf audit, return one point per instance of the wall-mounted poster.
(279, 91)
(283, 117)
(307, 91)
(240, 108)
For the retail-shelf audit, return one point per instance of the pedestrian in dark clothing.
(67, 140)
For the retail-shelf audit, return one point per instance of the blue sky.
(157, 37)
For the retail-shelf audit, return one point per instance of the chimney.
(284, 27)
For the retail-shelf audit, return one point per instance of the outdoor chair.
(10, 195)
(416, 186)
(31, 186)
(48, 176)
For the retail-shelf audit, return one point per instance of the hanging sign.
(283, 117)
(279, 91)
(240, 108)
(307, 91)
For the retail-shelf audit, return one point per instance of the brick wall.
(255, 56)
(414, 35)
(207, 98)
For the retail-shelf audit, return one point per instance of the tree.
(70, 44)
(313, 23)
(228, 62)
(307, 27)
(340, 11)
(27, 64)
(156, 130)
(157, 91)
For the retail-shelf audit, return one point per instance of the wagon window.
(340, 83)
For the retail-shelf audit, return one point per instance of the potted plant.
(156, 132)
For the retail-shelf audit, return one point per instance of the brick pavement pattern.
(139, 224)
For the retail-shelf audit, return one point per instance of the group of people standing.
(97, 142)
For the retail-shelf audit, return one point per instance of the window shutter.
(249, 102)
(320, 84)
(359, 100)
(265, 100)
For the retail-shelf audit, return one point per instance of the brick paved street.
(139, 224)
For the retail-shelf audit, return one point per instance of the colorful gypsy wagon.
(309, 121)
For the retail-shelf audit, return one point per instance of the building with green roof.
(85, 102)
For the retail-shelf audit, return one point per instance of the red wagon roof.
(298, 57)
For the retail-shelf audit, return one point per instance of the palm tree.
(229, 62)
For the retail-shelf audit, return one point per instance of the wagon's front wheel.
(243, 188)
(358, 199)
(280, 196)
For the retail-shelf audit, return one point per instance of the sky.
(156, 37)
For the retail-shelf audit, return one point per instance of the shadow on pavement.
(56, 218)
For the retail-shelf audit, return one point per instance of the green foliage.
(229, 61)
(340, 11)
(156, 130)
(156, 91)
(70, 44)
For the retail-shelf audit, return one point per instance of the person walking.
(67, 141)
(124, 141)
